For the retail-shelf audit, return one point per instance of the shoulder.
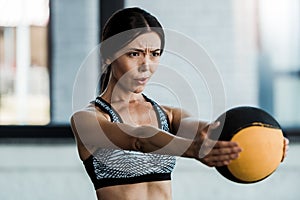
(175, 116)
(89, 112)
(175, 112)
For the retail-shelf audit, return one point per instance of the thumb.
(207, 143)
(212, 126)
(214, 130)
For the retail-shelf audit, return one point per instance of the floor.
(54, 172)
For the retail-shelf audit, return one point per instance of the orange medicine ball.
(261, 139)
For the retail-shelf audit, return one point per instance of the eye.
(133, 54)
(156, 54)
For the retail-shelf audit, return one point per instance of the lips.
(142, 81)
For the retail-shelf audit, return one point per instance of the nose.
(145, 64)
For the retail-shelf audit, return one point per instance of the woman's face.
(137, 63)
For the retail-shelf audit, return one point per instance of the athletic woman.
(127, 141)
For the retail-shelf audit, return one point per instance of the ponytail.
(104, 79)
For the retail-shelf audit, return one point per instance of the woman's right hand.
(215, 153)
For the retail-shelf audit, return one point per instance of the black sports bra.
(108, 167)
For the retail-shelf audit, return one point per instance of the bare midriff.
(140, 191)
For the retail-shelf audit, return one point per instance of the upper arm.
(92, 128)
(175, 115)
(183, 123)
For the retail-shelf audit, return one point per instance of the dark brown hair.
(134, 19)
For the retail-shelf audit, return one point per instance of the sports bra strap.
(162, 117)
(107, 108)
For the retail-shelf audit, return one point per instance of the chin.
(138, 90)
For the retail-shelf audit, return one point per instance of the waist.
(107, 182)
(139, 191)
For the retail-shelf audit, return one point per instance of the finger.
(215, 156)
(221, 163)
(286, 144)
(285, 148)
(206, 147)
(286, 140)
(224, 144)
(218, 148)
(218, 144)
(225, 151)
(213, 130)
(214, 125)
(217, 163)
(213, 161)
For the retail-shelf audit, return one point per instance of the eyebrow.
(142, 50)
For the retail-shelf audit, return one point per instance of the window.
(54, 38)
(24, 77)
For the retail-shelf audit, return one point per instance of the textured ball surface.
(261, 139)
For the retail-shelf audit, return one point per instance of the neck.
(115, 93)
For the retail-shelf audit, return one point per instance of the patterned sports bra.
(108, 167)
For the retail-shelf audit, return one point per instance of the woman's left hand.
(285, 148)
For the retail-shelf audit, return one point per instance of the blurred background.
(254, 44)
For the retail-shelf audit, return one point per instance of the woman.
(126, 140)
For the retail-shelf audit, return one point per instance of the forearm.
(150, 139)
(93, 132)
(189, 127)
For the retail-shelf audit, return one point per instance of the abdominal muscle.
(160, 190)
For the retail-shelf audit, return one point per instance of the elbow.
(140, 136)
(137, 144)
(142, 145)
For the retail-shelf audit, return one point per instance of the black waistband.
(139, 179)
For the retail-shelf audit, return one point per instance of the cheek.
(154, 67)
(118, 72)
(120, 68)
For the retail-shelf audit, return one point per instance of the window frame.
(63, 131)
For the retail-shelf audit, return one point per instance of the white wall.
(226, 30)
(74, 33)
